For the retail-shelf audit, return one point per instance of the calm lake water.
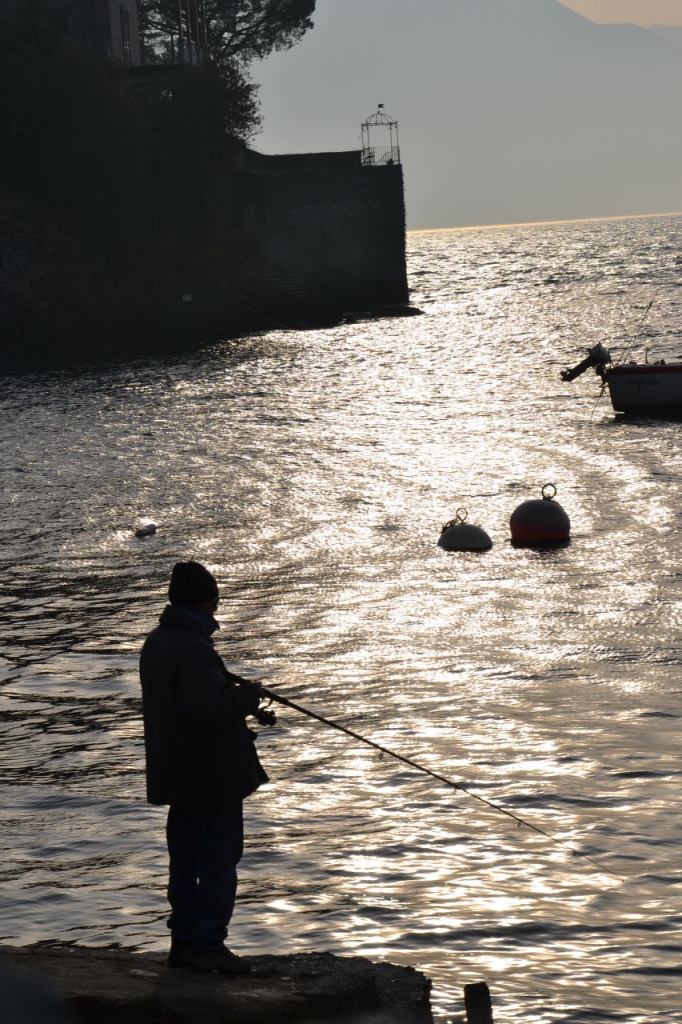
(312, 471)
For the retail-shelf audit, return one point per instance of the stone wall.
(311, 240)
(333, 231)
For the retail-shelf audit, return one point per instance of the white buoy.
(458, 535)
(146, 531)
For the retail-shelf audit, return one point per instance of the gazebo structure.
(380, 147)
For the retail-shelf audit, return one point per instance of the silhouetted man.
(201, 760)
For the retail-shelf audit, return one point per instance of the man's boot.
(219, 961)
(180, 954)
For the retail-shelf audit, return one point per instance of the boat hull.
(646, 390)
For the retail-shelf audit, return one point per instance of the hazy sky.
(639, 12)
(509, 110)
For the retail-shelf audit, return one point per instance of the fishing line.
(599, 398)
(458, 786)
(271, 695)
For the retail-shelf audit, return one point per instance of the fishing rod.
(271, 695)
(636, 333)
(629, 343)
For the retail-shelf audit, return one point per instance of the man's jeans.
(205, 845)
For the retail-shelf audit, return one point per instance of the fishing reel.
(266, 717)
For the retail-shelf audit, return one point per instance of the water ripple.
(312, 472)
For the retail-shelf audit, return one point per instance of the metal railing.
(380, 156)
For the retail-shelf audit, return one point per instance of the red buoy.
(540, 521)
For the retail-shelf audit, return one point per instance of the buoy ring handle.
(461, 516)
(549, 492)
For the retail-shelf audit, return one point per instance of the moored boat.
(644, 389)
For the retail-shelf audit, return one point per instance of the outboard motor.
(597, 356)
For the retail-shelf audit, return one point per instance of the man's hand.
(262, 715)
(254, 687)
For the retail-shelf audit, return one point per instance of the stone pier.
(104, 986)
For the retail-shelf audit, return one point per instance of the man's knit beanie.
(191, 583)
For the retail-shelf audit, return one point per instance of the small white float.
(146, 531)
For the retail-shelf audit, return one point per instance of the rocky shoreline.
(112, 986)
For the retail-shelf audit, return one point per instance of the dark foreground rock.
(101, 986)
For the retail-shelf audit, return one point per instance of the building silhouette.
(109, 27)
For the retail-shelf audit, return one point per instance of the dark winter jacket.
(199, 748)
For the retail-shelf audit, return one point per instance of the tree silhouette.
(241, 30)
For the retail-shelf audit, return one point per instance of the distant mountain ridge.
(510, 110)
(673, 33)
